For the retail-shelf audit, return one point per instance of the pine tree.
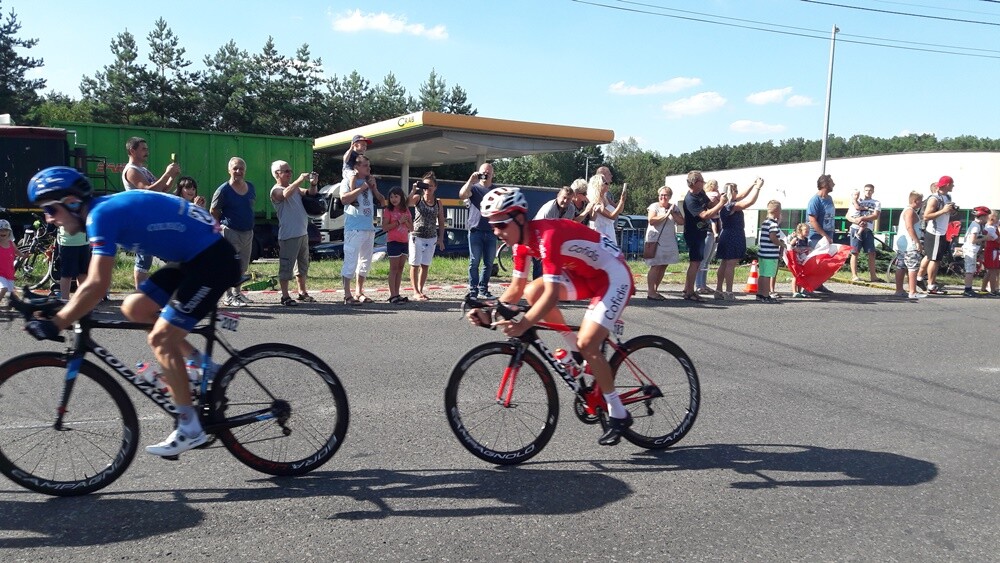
(18, 95)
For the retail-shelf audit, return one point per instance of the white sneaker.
(177, 443)
(917, 295)
(243, 297)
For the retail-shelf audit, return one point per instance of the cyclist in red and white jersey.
(577, 263)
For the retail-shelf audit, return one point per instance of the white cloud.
(669, 86)
(747, 126)
(695, 105)
(353, 22)
(775, 96)
(798, 101)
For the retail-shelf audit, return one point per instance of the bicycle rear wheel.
(659, 386)
(35, 269)
(91, 447)
(485, 423)
(305, 404)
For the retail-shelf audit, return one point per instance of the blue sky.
(638, 68)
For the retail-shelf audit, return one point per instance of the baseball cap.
(944, 181)
(361, 138)
(981, 210)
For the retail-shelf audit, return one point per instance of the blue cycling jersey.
(155, 223)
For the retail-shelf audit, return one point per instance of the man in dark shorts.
(173, 299)
(937, 214)
(698, 212)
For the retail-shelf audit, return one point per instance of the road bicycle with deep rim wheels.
(501, 399)
(67, 427)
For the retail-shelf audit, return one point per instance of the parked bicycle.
(502, 405)
(38, 244)
(68, 428)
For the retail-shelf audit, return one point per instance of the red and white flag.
(819, 265)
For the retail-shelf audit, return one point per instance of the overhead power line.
(925, 16)
(799, 32)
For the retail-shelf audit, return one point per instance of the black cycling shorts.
(189, 290)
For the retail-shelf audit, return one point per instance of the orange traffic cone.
(752, 278)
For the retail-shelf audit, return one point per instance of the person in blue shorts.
(172, 299)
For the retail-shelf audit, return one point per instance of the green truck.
(99, 151)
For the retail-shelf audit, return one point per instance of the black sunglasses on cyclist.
(50, 209)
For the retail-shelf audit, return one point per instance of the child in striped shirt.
(771, 244)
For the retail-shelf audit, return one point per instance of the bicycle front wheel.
(92, 444)
(659, 386)
(303, 408)
(501, 415)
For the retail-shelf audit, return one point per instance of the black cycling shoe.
(613, 434)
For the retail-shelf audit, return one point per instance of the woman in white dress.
(600, 211)
(662, 228)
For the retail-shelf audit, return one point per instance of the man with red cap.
(937, 214)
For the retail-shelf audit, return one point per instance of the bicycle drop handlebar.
(33, 303)
(506, 311)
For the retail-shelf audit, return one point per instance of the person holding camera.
(358, 192)
(937, 213)
(428, 231)
(482, 241)
(293, 224)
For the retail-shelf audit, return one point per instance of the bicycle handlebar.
(34, 303)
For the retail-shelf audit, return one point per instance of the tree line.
(270, 93)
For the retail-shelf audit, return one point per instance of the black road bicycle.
(67, 427)
(502, 405)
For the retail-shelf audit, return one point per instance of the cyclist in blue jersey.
(173, 299)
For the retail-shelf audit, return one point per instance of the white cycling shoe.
(177, 443)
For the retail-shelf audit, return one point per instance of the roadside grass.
(454, 271)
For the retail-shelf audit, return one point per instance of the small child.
(974, 238)
(397, 224)
(8, 252)
(359, 144)
(854, 212)
(770, 246)
(798, 242)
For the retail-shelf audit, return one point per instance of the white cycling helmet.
(4, 225)
(503, 200)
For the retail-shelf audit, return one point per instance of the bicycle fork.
(505, 391)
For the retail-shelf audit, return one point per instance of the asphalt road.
(858, 427)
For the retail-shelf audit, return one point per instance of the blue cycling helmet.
(57, 182)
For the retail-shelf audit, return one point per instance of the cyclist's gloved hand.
(42, 329)
(478, 317)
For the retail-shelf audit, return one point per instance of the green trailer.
(99, 149)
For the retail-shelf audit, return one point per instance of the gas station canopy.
(426, 139)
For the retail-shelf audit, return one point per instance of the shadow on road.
(103, 519)
(767, 466)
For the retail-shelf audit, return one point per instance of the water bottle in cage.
(150, 375)
(566, 359)
(194, 376)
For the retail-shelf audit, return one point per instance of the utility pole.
(829, 90)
